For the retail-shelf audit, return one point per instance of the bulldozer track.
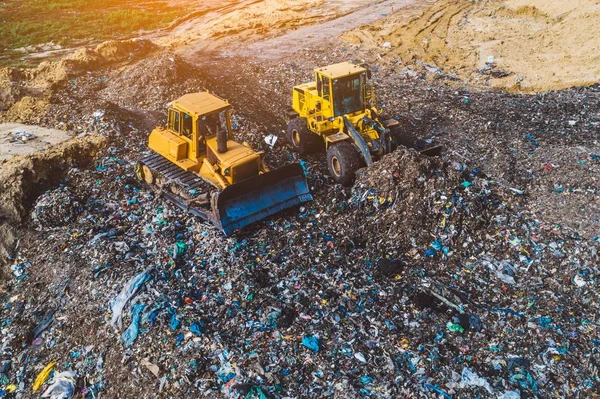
(186, 181)
(173, 173)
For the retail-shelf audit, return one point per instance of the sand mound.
(533, 46)
(28, 110)
(24, 93)
(523, 11)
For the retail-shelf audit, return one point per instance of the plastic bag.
(131, 333)
(43, 376)
(125, 295)
(63, 386)
(469, 378)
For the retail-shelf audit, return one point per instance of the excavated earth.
(484, 258)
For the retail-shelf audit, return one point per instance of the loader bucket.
(256, 198)
(409, 140)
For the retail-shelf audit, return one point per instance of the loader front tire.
(301, 139)
(343, 160)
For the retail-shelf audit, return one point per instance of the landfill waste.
(21, 136)
(43, 376)
(62, 387)
(56, 208)
(128, 291)
(271, 140)
(131, 333)
(153, 368)
(469, 378)
(311, 343)
(431, 277)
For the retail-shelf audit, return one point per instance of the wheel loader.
(196, 164)
(338, 109)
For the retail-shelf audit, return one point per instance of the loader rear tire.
(301, 139)
(343, 160)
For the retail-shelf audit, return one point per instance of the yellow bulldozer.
(196, 164)
(338, 109)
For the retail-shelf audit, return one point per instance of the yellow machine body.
(338, 91)
(190, 141)
(197, 146)
(338, 108)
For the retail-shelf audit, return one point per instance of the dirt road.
(269, 28)
(288, 43)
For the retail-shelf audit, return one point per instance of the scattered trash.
(129, 290)
(271, 139)
(153, 368)
(43, 376)
(432, 277)
(311, 343)
(62, 387)
(469, 378)
(22, 137)
(131, 333)
(56, 208)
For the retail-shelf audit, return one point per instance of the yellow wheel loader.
(338, 109)
(197, 165)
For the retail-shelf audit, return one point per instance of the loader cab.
(341, 89)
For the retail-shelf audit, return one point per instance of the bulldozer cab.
(342, 89)
(210, 125)
(197, 117)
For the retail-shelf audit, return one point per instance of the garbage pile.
(420, 280)
(430, 277)
(56, 208)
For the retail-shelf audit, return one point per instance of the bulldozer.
(196, 164)
(338, 109)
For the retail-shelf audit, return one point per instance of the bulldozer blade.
(261, 196)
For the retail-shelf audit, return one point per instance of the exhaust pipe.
(221, 141)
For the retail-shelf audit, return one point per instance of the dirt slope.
(514, 44)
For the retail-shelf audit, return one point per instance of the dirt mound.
(113, 51)
(10, 91)
(28, 110)
(152, 82)
(83, 60)
(24, 178)
(531, 46)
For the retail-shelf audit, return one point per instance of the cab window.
(201, 129)
(348, 96)
(326, 94)
(174, 120)
(187, 124)
(216, 122)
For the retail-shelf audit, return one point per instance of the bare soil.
(533, 45)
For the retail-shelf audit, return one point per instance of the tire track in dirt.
(309, 35)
